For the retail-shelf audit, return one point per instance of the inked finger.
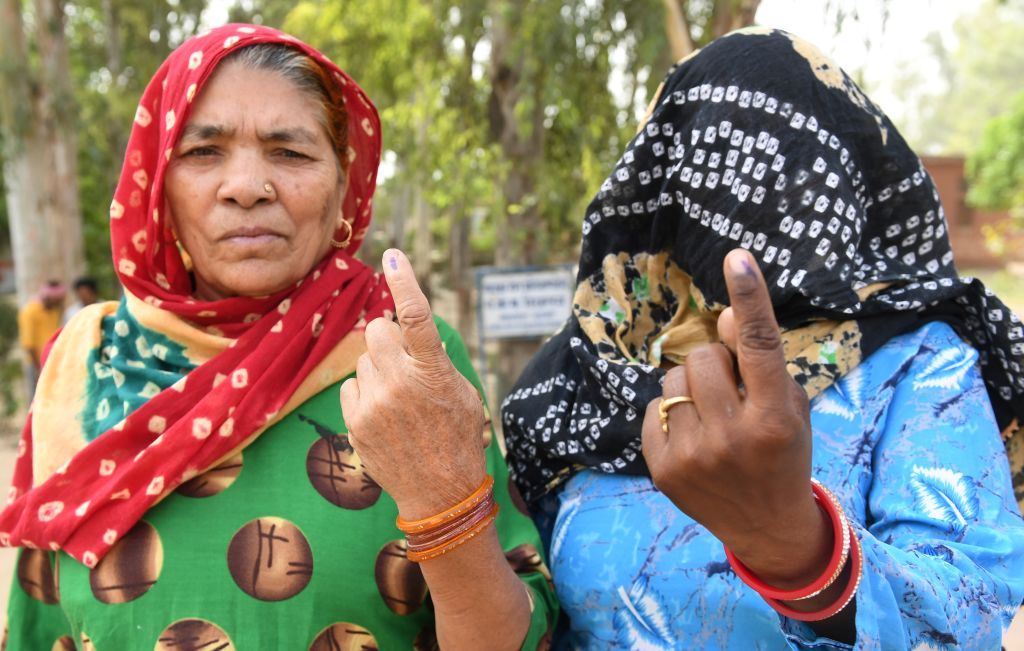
(759, 353)
(419, 334)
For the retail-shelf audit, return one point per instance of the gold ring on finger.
(668, 403)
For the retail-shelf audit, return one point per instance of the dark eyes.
(199, 151)
(203, 151)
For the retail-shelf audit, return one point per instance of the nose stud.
(268, 188)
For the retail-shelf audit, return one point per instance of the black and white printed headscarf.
(757, 141)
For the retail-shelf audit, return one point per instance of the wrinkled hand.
(413, 419)
(738, 458)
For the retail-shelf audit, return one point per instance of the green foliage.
(427, 65)
(115, 46)
(996, 168)
(978, 74)
(10, 370)
(580, 71)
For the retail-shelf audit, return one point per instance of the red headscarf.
(104, 487)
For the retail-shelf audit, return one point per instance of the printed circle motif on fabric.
(399, 580)
(64, 643)
(525, 559)
(426, 640)
(36, 577)
(337, 473)
(87, 644)
(130, 568)
(193, 635)
(270, 559)
(343, 636)
(215, 480)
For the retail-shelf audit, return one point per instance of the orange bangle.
(418, 526)
(417, 557)
(440, 535)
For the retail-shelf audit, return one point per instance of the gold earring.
(348, 238)
(186, 259)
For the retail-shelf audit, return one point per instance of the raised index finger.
(419, 333)
(762, 364)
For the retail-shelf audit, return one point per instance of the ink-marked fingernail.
(739, 263)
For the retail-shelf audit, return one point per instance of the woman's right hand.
(414, 420)
(738, 458)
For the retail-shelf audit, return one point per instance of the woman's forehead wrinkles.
(289, 134)
(296, 134)
(205, 131)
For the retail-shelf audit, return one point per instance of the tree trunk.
(729, 15)
(403, 206)
(40, 150)
(519, 225)
(678, 30)
(117, 135)
(112, 36)
(459, 271)
(422, 244)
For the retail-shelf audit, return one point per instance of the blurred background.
(500, 120)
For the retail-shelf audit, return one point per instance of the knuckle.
(778, 429)
(363, 364)
(413, 312)
(803, 403)
(675, 381)
(709, 358)
(651, 414)
(703, 465)
(760, 336)
(702, 353)
(376, 328)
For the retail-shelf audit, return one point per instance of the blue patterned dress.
(907, 442)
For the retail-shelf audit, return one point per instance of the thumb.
(419, 334)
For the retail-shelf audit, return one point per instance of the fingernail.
(393, 262)
(739, 263)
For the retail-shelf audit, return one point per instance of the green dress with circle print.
(288, 545)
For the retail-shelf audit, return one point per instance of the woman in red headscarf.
(186, 479)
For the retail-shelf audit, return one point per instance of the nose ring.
(268, 188)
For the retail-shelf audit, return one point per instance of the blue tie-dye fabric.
(908, 443)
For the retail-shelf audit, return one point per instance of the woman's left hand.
(738, 460)
(413, 419)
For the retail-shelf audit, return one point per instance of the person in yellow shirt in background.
(38, 320)
(85, 291)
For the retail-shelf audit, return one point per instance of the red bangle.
(840, 550)
(844, 599)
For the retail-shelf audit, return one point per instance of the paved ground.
(1014, 641)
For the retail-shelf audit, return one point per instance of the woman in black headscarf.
(832, 474)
